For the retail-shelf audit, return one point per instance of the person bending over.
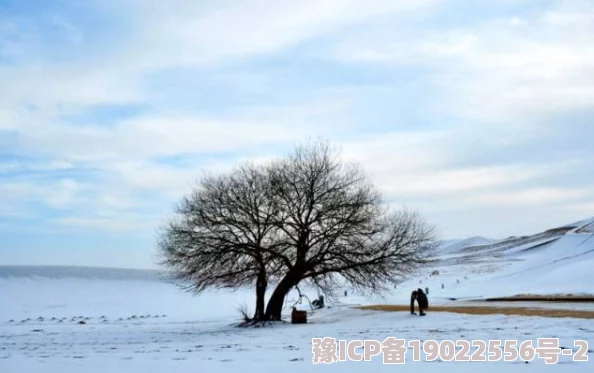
(421, 298)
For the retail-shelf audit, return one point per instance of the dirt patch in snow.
(487, 310)
(571, 298)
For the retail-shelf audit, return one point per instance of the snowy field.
(173, 332)
(133, 322)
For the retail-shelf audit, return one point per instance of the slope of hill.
(556, 261)
(457, 245)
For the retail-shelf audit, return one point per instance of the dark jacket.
(422, 299)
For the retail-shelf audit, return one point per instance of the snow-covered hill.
(457, 245)
(557, 261)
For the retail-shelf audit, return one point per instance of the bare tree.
(305, 218)
(223, 235)
(338, 227)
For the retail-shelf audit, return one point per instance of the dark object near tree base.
(298, 317)
(318, 303)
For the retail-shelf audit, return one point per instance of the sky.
(476, 114)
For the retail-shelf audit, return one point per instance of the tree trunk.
(277, 299)
(261, 285)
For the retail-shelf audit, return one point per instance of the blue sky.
(476, 114)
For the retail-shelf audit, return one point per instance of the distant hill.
(457, 245)
(59, 272)
(558, 260)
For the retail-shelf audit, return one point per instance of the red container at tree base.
(298, 317)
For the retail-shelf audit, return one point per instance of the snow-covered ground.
(135, 323)
(162, 346)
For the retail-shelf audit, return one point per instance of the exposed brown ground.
(544, 298)
(488, 310)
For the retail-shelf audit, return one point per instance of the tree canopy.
(308, 217)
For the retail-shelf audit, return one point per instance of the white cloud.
(437, 182)
(189, 33)
(170, 134)
(163, 36)
(503, 76)
(529, 197)
(58, 193)
(584, 208)
(122, 223)
(13, 212)
(509, 71)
